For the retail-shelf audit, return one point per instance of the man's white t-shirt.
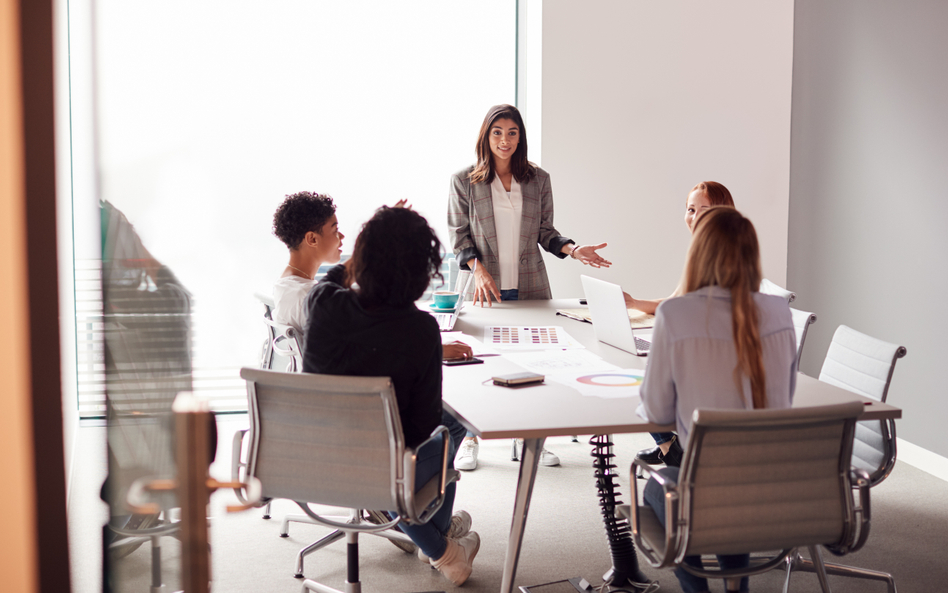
(289, 300)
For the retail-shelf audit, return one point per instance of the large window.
(208, 113)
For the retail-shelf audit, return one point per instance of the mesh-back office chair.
(768, 287)
(801, 323)
(864, 365)
(282, 350)
(338, 441)
(791, 485)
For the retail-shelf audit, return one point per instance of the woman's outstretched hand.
(484, 287)
(587, 254)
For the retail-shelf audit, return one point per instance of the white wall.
(641, 100)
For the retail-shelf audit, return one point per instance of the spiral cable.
(625, 563)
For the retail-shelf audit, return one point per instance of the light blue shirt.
(692, 358)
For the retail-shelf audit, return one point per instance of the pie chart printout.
(619, 383)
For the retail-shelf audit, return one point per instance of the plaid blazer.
(472, 234)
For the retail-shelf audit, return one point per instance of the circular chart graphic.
(611, 380)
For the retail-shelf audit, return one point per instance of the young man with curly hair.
(306, 223)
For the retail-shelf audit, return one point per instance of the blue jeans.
(662, 437)
(430, 537)
(654, 497)
(456, 429)
(510, 294)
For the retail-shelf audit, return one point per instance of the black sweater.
(342, 338)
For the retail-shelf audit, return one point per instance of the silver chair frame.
(678, 511)
(802, 320)
(403, 462)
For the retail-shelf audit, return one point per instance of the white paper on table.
(536, 337)
(479, 348)
(608, 384)
(551, 362)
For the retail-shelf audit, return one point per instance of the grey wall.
(868, 239)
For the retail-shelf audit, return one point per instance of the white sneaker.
(466, 458)
(547, 458)
(460, 526)
(458, 560)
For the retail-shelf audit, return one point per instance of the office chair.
(337, 441)
(790, 487)
(768, 287)
(281, 344)
(864, 365)
(801, 323)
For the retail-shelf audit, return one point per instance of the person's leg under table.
(430, 537)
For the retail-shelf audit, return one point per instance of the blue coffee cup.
(445, 299)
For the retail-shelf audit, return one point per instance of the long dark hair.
(724, 252)
(521, 168)
(395, 257)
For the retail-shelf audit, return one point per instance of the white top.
(289, 301)
(508, 209)
(692, 358)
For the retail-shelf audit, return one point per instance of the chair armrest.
(861, 483)
(411, 513)
(655, 557)
(652, 473)
(236, 464)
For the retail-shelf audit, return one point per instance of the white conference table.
(536, 412)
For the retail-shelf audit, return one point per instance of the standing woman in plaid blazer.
(500, 211)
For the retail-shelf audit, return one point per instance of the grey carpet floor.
(564, 536)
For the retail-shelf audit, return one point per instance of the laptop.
(610, 317)
(446, 321)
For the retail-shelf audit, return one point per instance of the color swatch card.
(529, 338)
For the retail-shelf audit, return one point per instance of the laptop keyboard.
(444, 321)
(642, 345)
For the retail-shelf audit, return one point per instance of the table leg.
(529, 459)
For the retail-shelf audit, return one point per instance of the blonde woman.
(702, 196)
(720, 345)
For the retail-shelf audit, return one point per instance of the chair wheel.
(266, 516)
(284, 535)
(298, 576)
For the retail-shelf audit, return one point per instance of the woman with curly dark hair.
(363, 321)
